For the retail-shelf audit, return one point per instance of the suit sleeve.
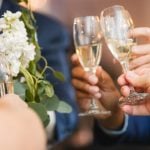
(137, 132)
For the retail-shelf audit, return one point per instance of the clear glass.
(87, 39)
(116, 23)
(6, 81)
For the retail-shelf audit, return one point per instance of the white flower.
(14, 45)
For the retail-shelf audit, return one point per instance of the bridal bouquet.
(20, 50)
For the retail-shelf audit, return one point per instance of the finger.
(138, 81)
(135, 110)
(84, 104)
(141, 49)
(83, 95)
(85, 87)
(75, 60)
(103, 76)
(121, 80)
(138, 32)
(141, 70)
(125, 91)
(139, 61)
(79, 73)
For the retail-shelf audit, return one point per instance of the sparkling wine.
(89, 56)
(120, 49)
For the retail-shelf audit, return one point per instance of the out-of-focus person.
(20, 127)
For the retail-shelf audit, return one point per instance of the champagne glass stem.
(125, 66)
(93, 105)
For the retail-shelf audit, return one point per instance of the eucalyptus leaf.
(45, 88)
(40, 110)
(51, 104)
(59, 75)
(63, 107)
(54, 104)
(49, 91)
(19, 89)
(46, 122)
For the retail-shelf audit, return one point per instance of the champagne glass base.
(134, 99)
(95, 112)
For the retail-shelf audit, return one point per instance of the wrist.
(114, 122)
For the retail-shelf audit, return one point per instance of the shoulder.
(51, 32)
(49, 24)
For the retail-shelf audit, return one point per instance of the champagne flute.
(87, 39)
(6, 80)
(116, 23)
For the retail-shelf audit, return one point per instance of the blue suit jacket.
(54, 40)
(138, 132)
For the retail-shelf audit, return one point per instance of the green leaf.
(32, 67)
(54, 104)
(49, 91)
(46, 122)
(29, 96)
(51, 104)
(30, 82)
(19, 89)
(45, 88)
(40, 110)
(59, 75)
(38, 75)
(63, 107)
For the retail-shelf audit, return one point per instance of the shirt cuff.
(117, 132)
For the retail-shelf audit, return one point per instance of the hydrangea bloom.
(14, 45)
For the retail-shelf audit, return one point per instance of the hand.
(99, 86)
(139, 77)
(18, 119)
(141, 53)
(139, 82)
(141, 62)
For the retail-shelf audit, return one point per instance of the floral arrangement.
(14, 43)
(19, 47)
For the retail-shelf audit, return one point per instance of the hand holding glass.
(87, 40)
(116, 24)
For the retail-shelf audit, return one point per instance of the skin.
(102, 88)
(20, 127)
(139, 77)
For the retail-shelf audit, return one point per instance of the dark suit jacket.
(137, 133)
(54, 41)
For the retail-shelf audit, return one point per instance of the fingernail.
(98, 95)
(134, 49)
(130, 74)
(92, 78)
(94, 89)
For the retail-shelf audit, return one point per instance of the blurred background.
(66, 10)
